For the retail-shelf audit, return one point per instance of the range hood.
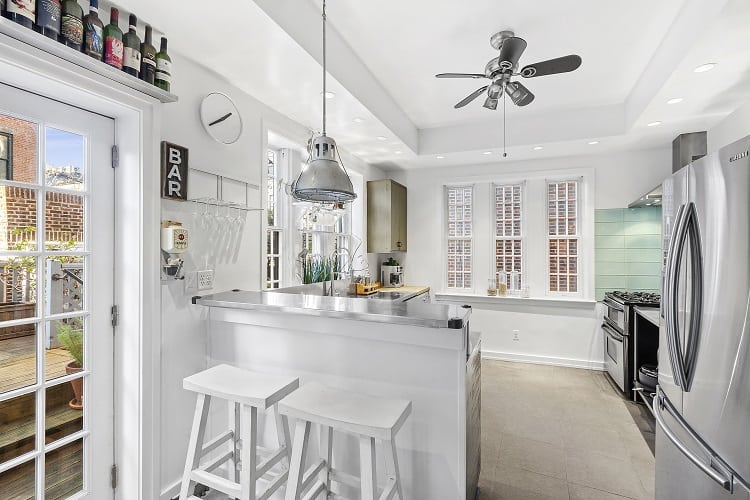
(686, 148)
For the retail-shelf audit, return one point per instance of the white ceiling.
(383, 57)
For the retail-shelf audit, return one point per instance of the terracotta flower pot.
(77, 402)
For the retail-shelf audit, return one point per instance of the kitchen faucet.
(334, 255)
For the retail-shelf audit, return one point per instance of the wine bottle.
(93, 32)
(71, 31)
(148, 58)
(163, 67)
(21, 11)
(131, 64)
(48, 18)
(113, 48)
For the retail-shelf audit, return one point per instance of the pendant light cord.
(325, 97)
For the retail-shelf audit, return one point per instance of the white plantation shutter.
(563, 236)
(509, 228)
(459, 201)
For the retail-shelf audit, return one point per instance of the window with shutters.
(509, 227)
(563, 236)
(459, 201)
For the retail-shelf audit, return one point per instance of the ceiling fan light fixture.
(323, 179)
(490, 103)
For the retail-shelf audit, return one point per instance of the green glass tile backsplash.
(628, 249)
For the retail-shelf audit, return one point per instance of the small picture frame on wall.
(174, 171)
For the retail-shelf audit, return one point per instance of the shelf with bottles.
(62, 42)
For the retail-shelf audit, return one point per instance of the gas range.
(635, 298)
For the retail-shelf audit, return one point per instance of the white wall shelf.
(40, 42)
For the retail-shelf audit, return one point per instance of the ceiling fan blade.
(460, 75)
(564, 64)
(511, 51)
(471, 97)
(519, 94)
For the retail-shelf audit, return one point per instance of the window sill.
(482, 301)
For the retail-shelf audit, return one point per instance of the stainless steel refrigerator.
(703, 398)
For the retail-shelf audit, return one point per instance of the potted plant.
(70, 337)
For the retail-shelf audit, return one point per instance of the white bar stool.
(246, 391)
(369, 418)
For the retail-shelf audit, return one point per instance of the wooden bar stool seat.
(369, 418)
(246, 392)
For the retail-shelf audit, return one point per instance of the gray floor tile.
(537, 428)
(518, 484)
(604, 473)
(588, 439)
(534, 456)
(578, 492)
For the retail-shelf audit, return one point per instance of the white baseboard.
(544, 360)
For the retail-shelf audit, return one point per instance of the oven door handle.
(612, 333)
(614, 305)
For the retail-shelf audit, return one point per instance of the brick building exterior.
(24, 147)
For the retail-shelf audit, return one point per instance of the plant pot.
(77, 402)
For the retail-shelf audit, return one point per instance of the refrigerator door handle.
(696, 299)
(674, 256)
(716, 468)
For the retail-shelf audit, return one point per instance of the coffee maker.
(391, 274)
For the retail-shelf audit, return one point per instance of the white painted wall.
(733, 128)
(183, 328)
(549, 332)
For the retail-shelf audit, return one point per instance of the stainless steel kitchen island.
(418, 351)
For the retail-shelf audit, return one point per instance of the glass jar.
(515, 282)
(492, 287)
(502, 284)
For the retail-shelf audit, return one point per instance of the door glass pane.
(17, 426)
(64, 410)
(63, 214)
(20, 149)
(64, 341)
(65, 284)
(18, 219)
(18, 483)
(17, 354)
(63, 475)
(65, 156)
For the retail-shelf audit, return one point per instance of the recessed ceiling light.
(329, 95)
(440, 157)
(358, 120)
(487, 153)
(653, 124)
(676, 100)
(381, 138)
(593, 143)
(705, 67)
(397, 152)
(538, 148)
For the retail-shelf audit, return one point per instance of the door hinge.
(115, 157)
(113, 477)
(115, 315)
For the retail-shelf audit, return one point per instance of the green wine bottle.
(71, 31)
(93, 32)
(148, 58)
(131, 64)
(113, 48)
(163, 67)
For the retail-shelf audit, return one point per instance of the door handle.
(677, 245)
(696, 297)
(614, 335)
(716, 468)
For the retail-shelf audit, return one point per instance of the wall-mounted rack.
(42, 43)
(218, 200)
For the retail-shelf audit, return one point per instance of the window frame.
(579, 237)
(9, 160)
(277, 227)
(448, 238)
(521, 184)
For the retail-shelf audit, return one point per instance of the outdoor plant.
(70, 337)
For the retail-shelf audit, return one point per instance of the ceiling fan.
(504, 67)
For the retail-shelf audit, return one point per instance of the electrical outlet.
(516, 334)
(205, 279)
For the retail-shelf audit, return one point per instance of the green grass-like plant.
(70, 337)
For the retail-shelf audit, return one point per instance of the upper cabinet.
(386, 217)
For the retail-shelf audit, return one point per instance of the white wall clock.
(221, 118)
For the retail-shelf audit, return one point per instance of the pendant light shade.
(323, 179)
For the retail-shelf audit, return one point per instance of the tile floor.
(561, 433)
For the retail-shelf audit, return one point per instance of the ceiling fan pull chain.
(505, 154)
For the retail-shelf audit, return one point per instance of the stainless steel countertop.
(414, 313)
(650, 313)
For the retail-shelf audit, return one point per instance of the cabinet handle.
(399, 244)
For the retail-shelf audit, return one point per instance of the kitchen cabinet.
(386, 216)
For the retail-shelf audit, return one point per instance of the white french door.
(56, 294)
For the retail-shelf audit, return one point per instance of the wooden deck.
(18, 363)
(63, 478)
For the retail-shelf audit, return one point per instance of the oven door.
(614, 355)
(615, 313)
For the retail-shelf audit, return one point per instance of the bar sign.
(174, 171)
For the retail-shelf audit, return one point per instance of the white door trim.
(137, 338)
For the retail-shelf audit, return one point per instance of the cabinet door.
(398, 217)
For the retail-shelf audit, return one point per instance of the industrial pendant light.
(323, 179)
